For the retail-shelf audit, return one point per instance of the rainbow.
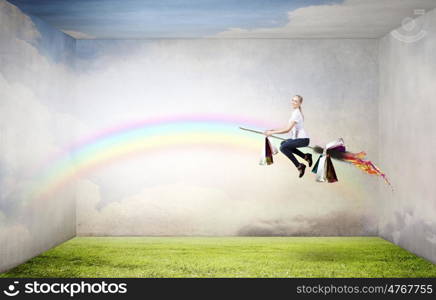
(134, 138)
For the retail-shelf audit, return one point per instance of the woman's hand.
(267, 132)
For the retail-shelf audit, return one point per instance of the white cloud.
(351, 19)
(187, 209)
(169, 209)
(15, 25)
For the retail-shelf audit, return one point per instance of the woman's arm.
(278, 131)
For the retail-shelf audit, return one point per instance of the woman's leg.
(301, 143)
(288, 147)
(288, 150)
(299, 153)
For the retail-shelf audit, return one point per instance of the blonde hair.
(300, 98)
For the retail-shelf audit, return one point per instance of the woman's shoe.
(301, 168)
(308, 158)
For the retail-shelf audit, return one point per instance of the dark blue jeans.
(289, 147)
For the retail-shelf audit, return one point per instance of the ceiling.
(142, 19)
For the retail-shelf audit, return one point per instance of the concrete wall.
(35, 91)
(407, 136)
(184, 188)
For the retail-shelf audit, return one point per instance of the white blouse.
(297, 131)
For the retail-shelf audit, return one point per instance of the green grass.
(225, 257)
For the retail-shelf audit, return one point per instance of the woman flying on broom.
(299, 137)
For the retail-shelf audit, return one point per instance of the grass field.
(225, 257)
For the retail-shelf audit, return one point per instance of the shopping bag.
(330, 173)
(320, 173)
(315, 167)
(267, 153)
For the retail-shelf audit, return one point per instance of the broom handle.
(260, 132)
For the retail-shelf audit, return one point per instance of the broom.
(339, 153)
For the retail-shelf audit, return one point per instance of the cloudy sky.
(132, 19)
(136, 18)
